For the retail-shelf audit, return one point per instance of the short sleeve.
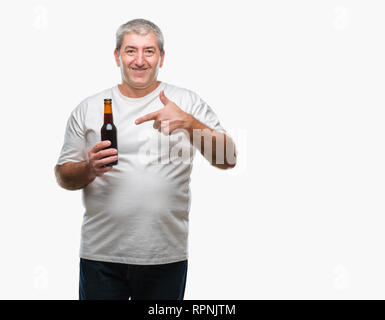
(74, 146)
(205, 114)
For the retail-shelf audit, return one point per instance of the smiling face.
(139, 60)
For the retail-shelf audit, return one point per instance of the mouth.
(139, 70)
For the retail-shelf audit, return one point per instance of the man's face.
(139, 59)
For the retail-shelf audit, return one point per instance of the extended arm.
(216, 147)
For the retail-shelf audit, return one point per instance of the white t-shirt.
(138, 212)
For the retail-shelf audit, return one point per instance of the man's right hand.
(99, 157)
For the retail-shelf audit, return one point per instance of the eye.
(129, 51)
(149, 51)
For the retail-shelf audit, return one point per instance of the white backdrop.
(299, 84)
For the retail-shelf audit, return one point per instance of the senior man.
(135, 226)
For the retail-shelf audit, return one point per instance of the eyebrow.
(150, 47)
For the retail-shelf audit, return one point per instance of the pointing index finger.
(147, 117)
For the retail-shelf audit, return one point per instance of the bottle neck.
(108, 118)
(108, 113)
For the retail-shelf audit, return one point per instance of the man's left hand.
(167, 119)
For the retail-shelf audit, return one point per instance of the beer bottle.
(108, 131)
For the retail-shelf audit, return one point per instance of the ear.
(117, 58)
(161, 60)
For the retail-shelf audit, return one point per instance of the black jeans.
(118, 281)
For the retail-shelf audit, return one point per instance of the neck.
(133, 92)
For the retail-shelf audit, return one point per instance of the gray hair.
(139, 26)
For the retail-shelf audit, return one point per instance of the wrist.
(193, 124)
(189, 121)
(90, 174)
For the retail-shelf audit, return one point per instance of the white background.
(300, 84)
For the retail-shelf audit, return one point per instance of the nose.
(139, 61)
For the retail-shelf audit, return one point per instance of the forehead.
(138, 40)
